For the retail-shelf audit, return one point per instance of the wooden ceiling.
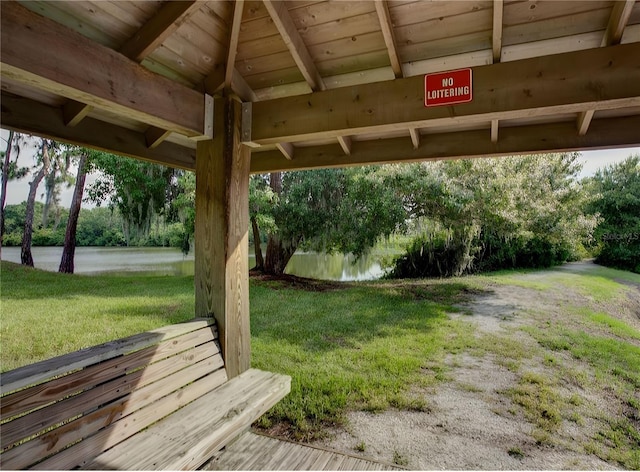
(325, 83)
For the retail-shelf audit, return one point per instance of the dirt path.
(472, 423)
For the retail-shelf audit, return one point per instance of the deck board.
(259, 452)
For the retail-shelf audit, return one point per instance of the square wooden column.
(222, 234)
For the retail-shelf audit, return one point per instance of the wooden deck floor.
(258, 452)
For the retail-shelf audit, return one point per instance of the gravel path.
(471, 422)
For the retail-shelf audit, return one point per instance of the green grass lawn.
(345, 346)
(367, 346)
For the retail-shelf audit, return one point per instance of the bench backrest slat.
(87, 401)
(43, 394)
(41, 371)
(85, 450)
(108, 401)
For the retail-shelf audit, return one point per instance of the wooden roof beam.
(498, 8)
(382, 9)
(561, 83)
(494, 131)
(90, 73)
(29, 116)
(153, 33)
(617, 22)
(234, 35)
(286, 27)
(345, 144)
(415, 137)
(604, 133)
(286, 149)
(74, 112)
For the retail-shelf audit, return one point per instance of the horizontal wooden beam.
(596, 79)
(603, 133)
(28, 116)
(90, 73)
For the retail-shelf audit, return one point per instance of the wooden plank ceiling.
(325, 83)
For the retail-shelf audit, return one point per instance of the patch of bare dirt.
(298, 283)
(471, 423)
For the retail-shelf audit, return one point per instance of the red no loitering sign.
(448, 88)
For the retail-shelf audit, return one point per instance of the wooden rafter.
(608, 132)
(92, 74)
(498, 8)
(584, 120)
(234, 35)
(415, 137)
(286, 149)
(154, 136)
(287, 29)
(28, 116)
(494, 131)
(505, 90)
(345, 144)
(168, 19)
(74, 112)
(617, 22)
(382, 9)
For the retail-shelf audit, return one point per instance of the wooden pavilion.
(228, 88)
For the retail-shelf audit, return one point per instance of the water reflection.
(170, 261)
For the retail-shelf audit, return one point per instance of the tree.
(138, 189)
(43, 158)
(261, 201)
(487, 214)
(68, 252)
(10, 170)
(617, 202)
(58, 174)
(329, 210)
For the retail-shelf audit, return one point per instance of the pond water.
(171, 261)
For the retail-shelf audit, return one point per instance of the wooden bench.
(157, 400)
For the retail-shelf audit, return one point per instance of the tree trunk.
(25, 254)
(5, 178)
(68, 253)
(256, 244)
(50, 185)
(278, 256)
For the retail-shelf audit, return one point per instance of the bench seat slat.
(43, 418)
(187, 438)
(47, 369)
(56, 389)
(118, 420)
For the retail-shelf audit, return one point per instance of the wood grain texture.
(105, 438)
(85, 402)
(110, 394)
(41, 371)
(91, 73)
(29, 116)
(168, 19)
(201, 428)
(221, 234)
(529, 87)
(603, 133)
(288, 31)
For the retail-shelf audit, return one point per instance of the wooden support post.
(222, 234)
